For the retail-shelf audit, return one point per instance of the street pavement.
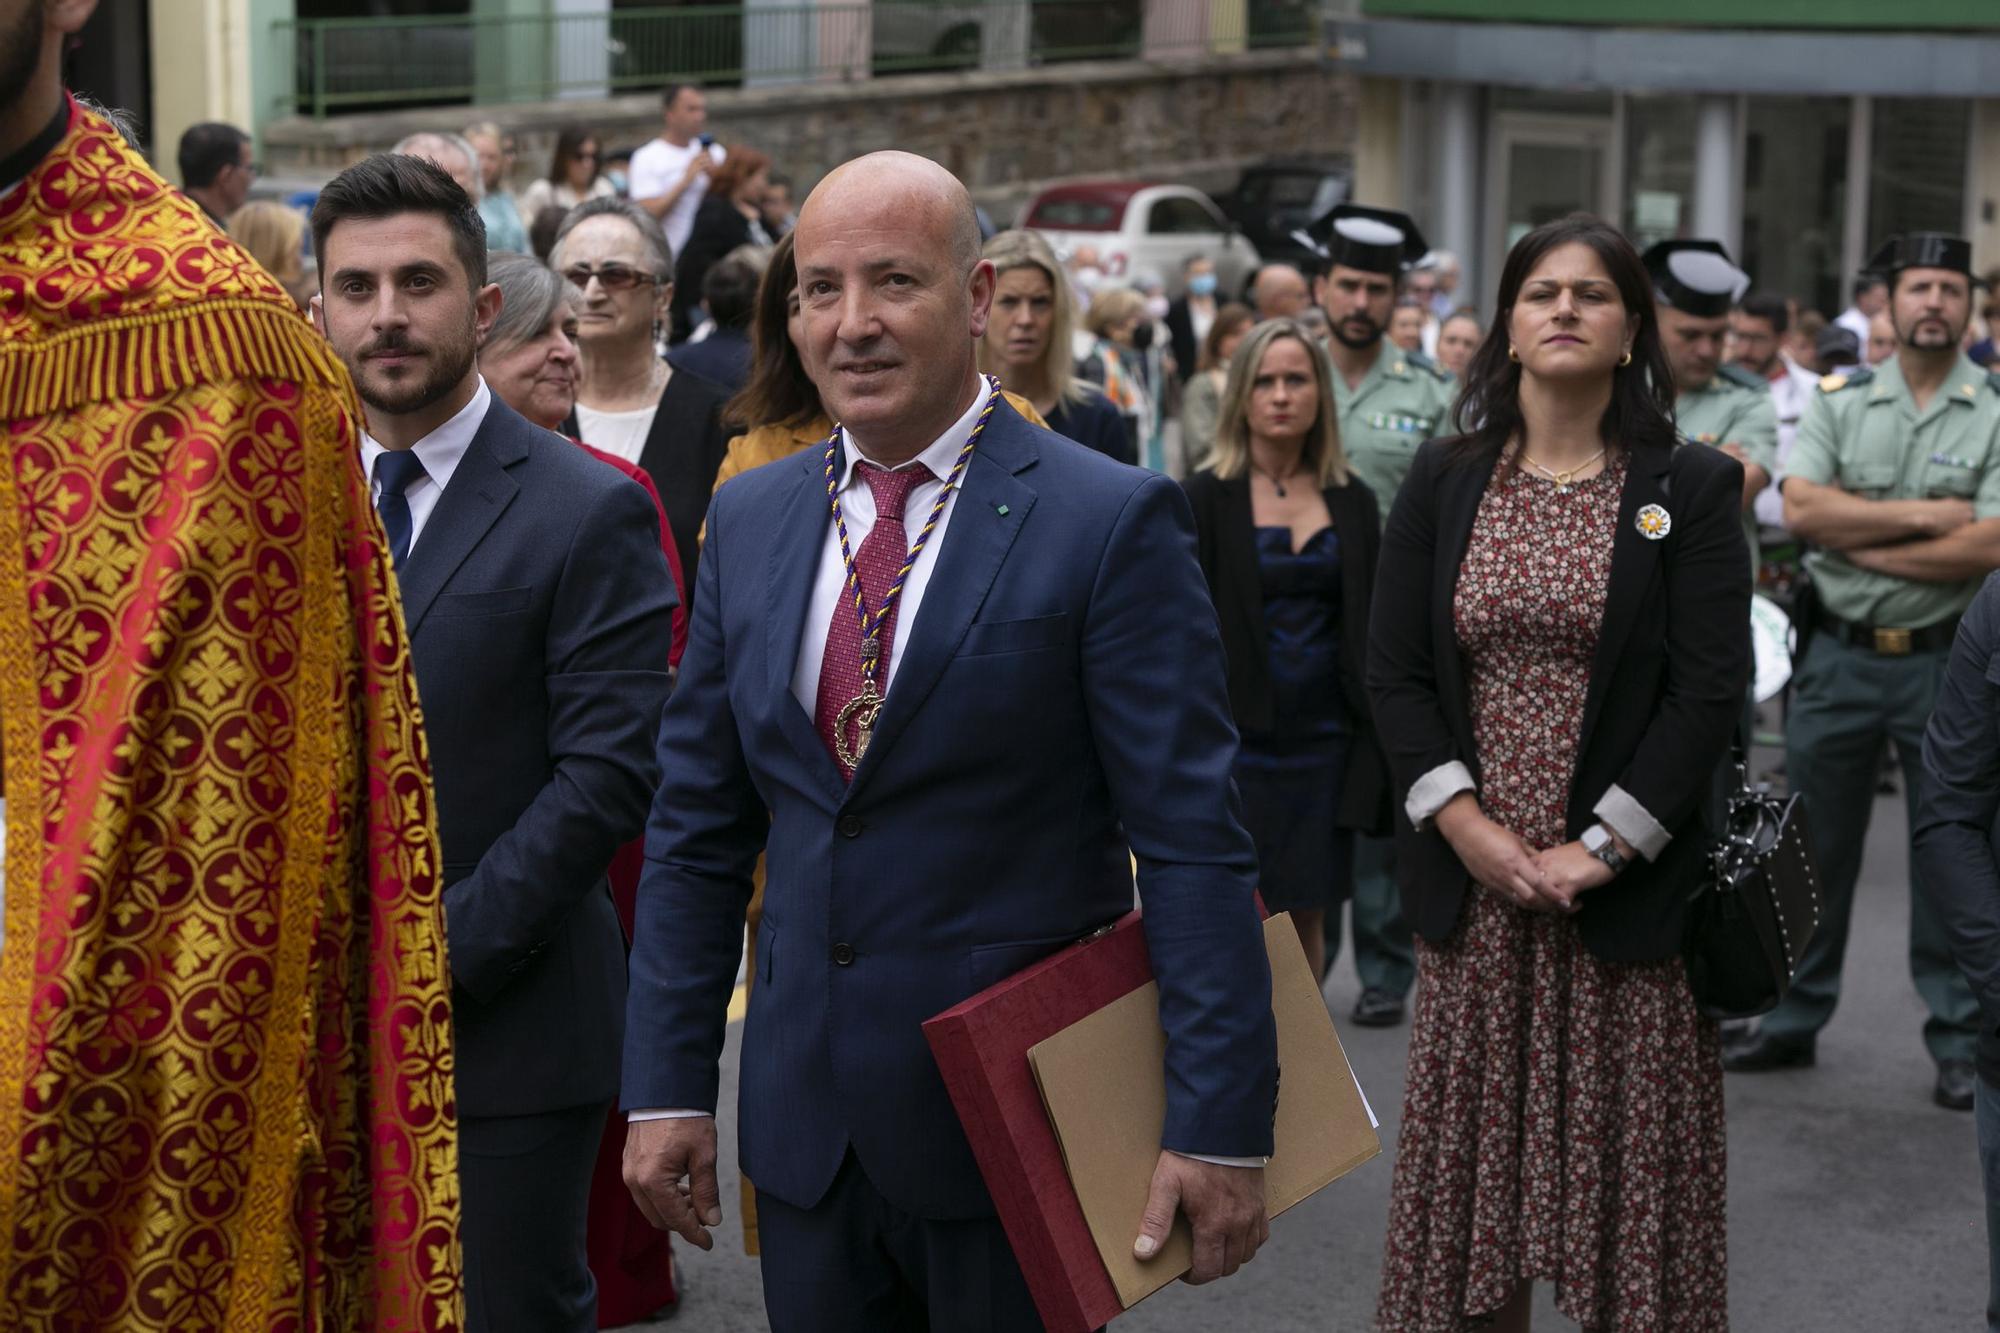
(1854, 1203)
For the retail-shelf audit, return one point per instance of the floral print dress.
(1563, 1119)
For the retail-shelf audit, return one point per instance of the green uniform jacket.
(1863, 433)
(1735, 407)
(1403, 400)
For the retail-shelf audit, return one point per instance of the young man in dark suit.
(1051, 701)
(539, 609)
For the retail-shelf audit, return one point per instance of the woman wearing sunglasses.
(573, 177)
(629, 401)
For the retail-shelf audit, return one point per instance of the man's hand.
(1225, 1204)
(1941, 518)
(702, 165)
(670, 1169)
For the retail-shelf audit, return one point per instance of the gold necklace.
(1567, 477)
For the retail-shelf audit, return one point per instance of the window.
(1916, 179)
(1180, 216)
(1795, 198)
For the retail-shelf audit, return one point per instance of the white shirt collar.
(443, 449)
(939, 457)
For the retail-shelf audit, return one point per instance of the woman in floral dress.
(1560, 649)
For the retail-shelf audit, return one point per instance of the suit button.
(849, 826)
(843, 954)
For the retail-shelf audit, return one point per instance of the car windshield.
(1076, 215)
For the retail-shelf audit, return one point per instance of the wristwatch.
(1598, 842)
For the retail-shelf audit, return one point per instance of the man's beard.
(1930, 335)
(21, 55)
(449, 364)
(1357, 343)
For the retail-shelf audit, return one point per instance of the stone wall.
(1004, 133)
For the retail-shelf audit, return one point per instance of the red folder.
(981, 1047)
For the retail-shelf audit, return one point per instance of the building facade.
(1800, 134)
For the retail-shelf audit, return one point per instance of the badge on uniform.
(1654, 523)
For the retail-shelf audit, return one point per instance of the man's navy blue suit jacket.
(1061, 697)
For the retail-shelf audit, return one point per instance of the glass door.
(1544, 167)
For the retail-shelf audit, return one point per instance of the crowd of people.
(848, 599)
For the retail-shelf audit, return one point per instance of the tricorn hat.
(1694, 276)
(1922, 249)
(1374, 240)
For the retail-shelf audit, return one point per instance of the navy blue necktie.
(396, 470)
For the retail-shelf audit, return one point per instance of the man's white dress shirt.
(440, 452)
(857, 507)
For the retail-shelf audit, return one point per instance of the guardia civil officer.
(1389, 402)
(1895, 479)
(1715, 403)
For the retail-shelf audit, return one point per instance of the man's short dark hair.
(1769, 308)
(1866, 279)
(387, 184)
(206, 149)
(671, 93)
(729, 290)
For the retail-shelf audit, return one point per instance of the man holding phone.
(670, 174)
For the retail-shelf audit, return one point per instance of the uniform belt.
(1889, 641)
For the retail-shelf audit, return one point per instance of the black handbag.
(1758, 904)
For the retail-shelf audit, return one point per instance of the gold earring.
(1626, 359)
(1512, 355)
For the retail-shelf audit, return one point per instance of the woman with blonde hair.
(1287, 537)
(275, 236)
(1201, 400)
(1027, 344)
(1113, 323)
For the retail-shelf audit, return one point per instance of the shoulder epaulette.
(1835, 383)
(1748, 379)
(1422, 362)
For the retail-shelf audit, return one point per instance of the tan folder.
(1104, 1082)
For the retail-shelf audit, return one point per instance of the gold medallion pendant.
(861, 710)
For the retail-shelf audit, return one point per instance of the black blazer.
(1180, 336)
(539, 609)
(1227, 547)
(1666, 688)
(683, 452)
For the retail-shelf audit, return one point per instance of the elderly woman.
(528, 359)
(1027, 344)
(629, 401)
(1117, 325)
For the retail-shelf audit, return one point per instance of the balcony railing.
(348, 65)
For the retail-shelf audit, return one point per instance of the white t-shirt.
(620, 433)
(656, 170)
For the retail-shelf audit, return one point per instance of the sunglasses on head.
(611, 277)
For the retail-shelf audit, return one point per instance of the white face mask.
(1088, 277)
(1156, 307)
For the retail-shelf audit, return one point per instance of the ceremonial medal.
(864, 708)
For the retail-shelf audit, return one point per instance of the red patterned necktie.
(882, 553)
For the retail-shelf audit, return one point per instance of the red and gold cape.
(225, 1039)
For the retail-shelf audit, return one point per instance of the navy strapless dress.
(1290, 776)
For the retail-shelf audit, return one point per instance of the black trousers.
(856, 1263)
(524, 1186)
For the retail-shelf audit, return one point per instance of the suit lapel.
(985, 518)
(479, 493)
(794, 566)
(1634, 559)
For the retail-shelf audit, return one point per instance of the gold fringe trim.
(151, 355)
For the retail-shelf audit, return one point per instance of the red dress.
(1562, 1120)
(629, 1257)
